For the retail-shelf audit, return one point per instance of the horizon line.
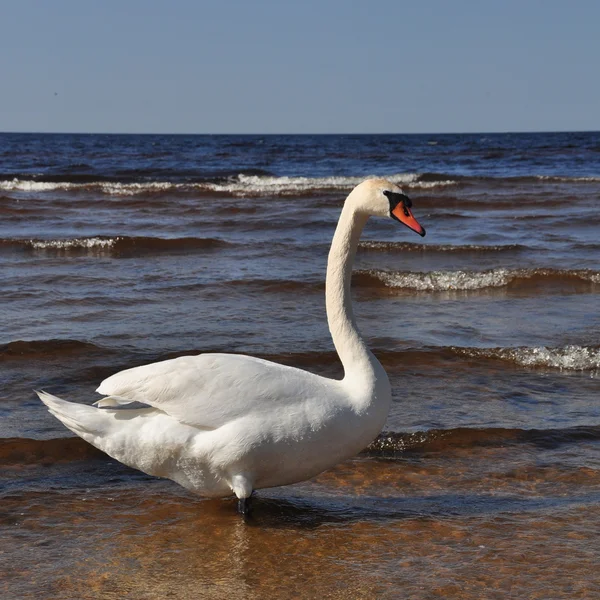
(491, 132)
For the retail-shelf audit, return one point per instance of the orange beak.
(403, 214)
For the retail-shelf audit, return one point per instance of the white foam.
(240, 185)
(114, 189)
(35, 186)
(252, 185)
(416, 247)
(432, 184)
(131, 189)
(470, 280)
(575, 358)
(445, 280)
(88, 243)
(558, 179)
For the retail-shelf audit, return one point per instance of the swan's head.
(382, 198)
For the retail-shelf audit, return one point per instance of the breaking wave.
(255, 182)
(390, 444)
(251, 185)
(563, 358)
(25, 451)
(436, 281)
(557, 179)
(376, 246)
(53, 348)
(571, 358)
(118, 245)
(242, 185)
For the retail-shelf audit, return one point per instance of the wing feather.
(210, 390)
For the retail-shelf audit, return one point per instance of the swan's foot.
(245, 506)
(242, 487)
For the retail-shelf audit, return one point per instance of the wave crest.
(240, 185)
(377, 246)
(25, 451)
(392, 444)
(251, 183)
(568, 358)
(118, 245)
(52, 348)
(472, 280)
(571, 358)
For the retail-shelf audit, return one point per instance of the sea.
(121, 250)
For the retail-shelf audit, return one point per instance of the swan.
(223, 423)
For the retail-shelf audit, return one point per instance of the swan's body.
(217, 423)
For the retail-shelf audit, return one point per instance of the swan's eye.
(395, 198)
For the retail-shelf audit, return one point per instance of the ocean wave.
(283, 186)
(436, 281)
(26, 451)
(390, 444)
(118, 245)
(256, 182)
(533, 178)
(516, 200)
(569, 358)
(239, 185)
(377, 246)
(73, 243)
(562, 358)
(52, 348)
(559, 179)
(457, 179)
(111, 188)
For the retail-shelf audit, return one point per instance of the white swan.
(217, 423)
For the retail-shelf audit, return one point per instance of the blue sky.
(327, 66)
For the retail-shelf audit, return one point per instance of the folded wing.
(209, 390)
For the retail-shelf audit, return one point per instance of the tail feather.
(145, 438)
(86, 421)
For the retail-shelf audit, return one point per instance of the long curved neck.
(356, 358)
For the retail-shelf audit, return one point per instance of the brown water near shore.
(504, 521)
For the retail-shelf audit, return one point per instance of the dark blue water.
(118, 250)
(183, 158)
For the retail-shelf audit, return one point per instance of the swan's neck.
(360, 366)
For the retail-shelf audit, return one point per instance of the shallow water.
(116, 251)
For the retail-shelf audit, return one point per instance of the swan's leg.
(242, 487)
(244, 506)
